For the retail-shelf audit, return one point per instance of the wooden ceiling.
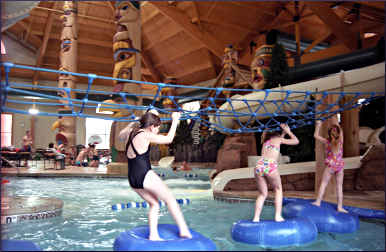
(186, 40)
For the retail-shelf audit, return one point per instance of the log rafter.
(210, 42)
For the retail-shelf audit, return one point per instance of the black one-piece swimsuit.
(138, 166)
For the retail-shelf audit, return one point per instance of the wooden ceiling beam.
(26, 45)
(82, 40)
(111, 21)
(149, 17)
(230, 25)
(325, 34)
(210, 11)
(177, 56)
(207, 39)
(320, 39)
(149, 65)
(42, 49)
(193, 70)
(257, 8)
(335, 23)
(244, 43)
(48, 76)
(88, 58)
(196, 14)
(112, 7)
(28, 30)
(366, 11)
(100, 23)
(162, 38)
(289, 23)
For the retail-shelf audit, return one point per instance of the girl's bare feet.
(342, 210)
(316, 203)
(256, 220)
(155, 238)
(279, 219)
(186, 234)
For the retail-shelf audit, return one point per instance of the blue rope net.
(296, 108)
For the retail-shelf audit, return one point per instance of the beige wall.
(43, 133)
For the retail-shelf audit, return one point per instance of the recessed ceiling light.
(33, 111)
(370, 34)
(103, 112)
(347, 22)
(33, 97)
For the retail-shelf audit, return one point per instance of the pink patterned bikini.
(334, 161)
(264, 165)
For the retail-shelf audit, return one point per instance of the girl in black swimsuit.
(142, 178)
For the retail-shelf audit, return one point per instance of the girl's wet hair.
(147, 120)
(337, 128)
(268, 135)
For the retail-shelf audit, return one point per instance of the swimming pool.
(88, 223)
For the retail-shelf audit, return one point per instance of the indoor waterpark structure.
(268, 128)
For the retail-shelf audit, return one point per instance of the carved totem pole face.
(261, 65)
(230, 56)
(169, 91)
(69, 26)
(124, 52)
(68, 53)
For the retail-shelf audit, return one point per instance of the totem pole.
(169, 91)
(127, 65)
(230, 57)
(68, 63)
(261, 63)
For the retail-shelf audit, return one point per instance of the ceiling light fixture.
(103, 112)
(370, 34)
(33, 110)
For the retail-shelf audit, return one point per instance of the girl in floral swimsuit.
(334, 162)
(266, 169)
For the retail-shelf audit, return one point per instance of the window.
(6, 130)
(101, 128)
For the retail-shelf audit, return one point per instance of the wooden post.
(350, 127)
(32, 131)
(330, 193)
(68, 63)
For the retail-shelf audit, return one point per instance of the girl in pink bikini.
(266, 169)
(334, 162)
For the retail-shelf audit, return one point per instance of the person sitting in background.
(184, 167)
(94, 157)
(27, 144)
(72, 154)
(81, 157)
(58, 156)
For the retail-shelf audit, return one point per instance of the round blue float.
(325, 217)
(137, 239)
(361, 212)
(18, 245)
(269, 233)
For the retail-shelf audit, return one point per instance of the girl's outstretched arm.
(317, 136)
(293, 139)
(161, 139)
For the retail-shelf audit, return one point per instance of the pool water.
(89, 224)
